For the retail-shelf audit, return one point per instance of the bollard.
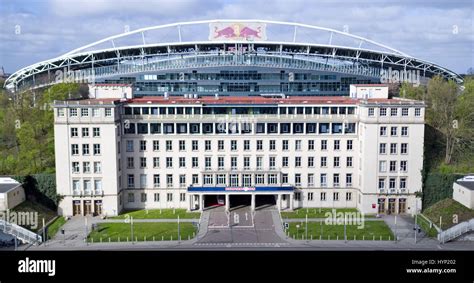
(373, 239)
(118, 239)
(162, 238)
(136, 239)
(363, 237)
(144, 238)
(194, 234)
(153, 238)
(101, 239)
(127, 239)
(380, 237)
(92, 240)
(311, 237)
(171, 237)
(320, 237)
(337, 237)
(329, 237)
(109, 239)
(355, 237)
(189, 237)
(389, 237)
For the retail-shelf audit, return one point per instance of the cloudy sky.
(440, 31)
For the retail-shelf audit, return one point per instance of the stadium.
(231, 58)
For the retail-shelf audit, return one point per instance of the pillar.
(291, 197)
(201, 199)
(278, 202)
(252, 202)
(227, 202)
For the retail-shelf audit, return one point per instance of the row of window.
(394, 111)
(392, 168)
(246, 165)
(393, 148)
(86, 188)
(96, 149)
(85, 132)
(391, 183)
(84, 112)
(394, 131)
(156, 197)
(236, 180)
(86, 167)
(233, 145)
(239, 128)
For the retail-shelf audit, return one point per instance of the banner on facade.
(237, 31)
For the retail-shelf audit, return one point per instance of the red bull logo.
(237, 31)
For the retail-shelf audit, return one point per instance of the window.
(108, 112)
(142, 145)
(74, 149)
(156, 162)
(156, 197)
(393, 131)
(85, 149)
(393, 148)
(220, 163)
(335, 196)
(97, 167)
(336, 180)
(76, 187)
(403, 183)
(371, 112)
(156, 180)
(143, 197)
(272, 179)
(169, 145)
(323, 161)
(207, 145)
(233, 145)
(337, 144)
(348, 180)
(393, 166)
(349, 145)
(195, 179)
(403, 165)
(323, 196)
(182, 180)
(404, 131)
(310, 180)
(348, 196)
(246, 163)
(297, 179)
(182, 197)
(169, 197)
(383, 148)
(272, 162)
(96, 132)
(131, 197)
(169, 180)
(246, 145)
(207, 163)
(404, 111)
(95, 112)
(142, 162)
(182, 145)
(194, 145)
(310, 196)
(195, 162)
(259, 145)
(336, 161)
(382, 166)
(84, 112)
(417, 112)
(221, 179)
(182, 162)
(234, 179)
(392, 183)
(383, 111)
(383, 131)
(284, 178)
(131, 180)
(260, 162)
(74, 132)
(323, 180)
(156, 145)
(233, 163)
(310, 144)
(404, 148)
(349, 161)
(129, 145)
(169, 162)
(73, 112)
(285, 145)
(310, 161)
(381, 183)
(130, 163)
(60, 112)
(298, 145)
(96, 149)
(85, 132)
(75, 167)
(272, 145)
(393, 111)
(324, 144)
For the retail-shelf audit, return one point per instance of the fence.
(456, 231)
(21, 233)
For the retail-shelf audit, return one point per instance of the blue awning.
(241, 189)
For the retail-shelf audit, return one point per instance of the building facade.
(194, 152)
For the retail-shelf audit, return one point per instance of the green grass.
(371, 229)
(157, 214)
(425, 226)
(43, 212)
(54, 227)
(316, 212)
(448, 209)
(114, 231)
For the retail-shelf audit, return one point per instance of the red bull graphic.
(237, 31)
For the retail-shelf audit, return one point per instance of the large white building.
(114, 154)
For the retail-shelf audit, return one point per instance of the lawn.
(317, 212)
(425, 226)
(43, 212)
(159, 214)
(54, 227)
(121, 231)
(448, 209)
(370, 229)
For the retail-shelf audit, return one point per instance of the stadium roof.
(200, 43)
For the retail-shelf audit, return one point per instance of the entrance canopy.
(241, 189)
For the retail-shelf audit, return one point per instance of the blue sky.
(434, 30)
